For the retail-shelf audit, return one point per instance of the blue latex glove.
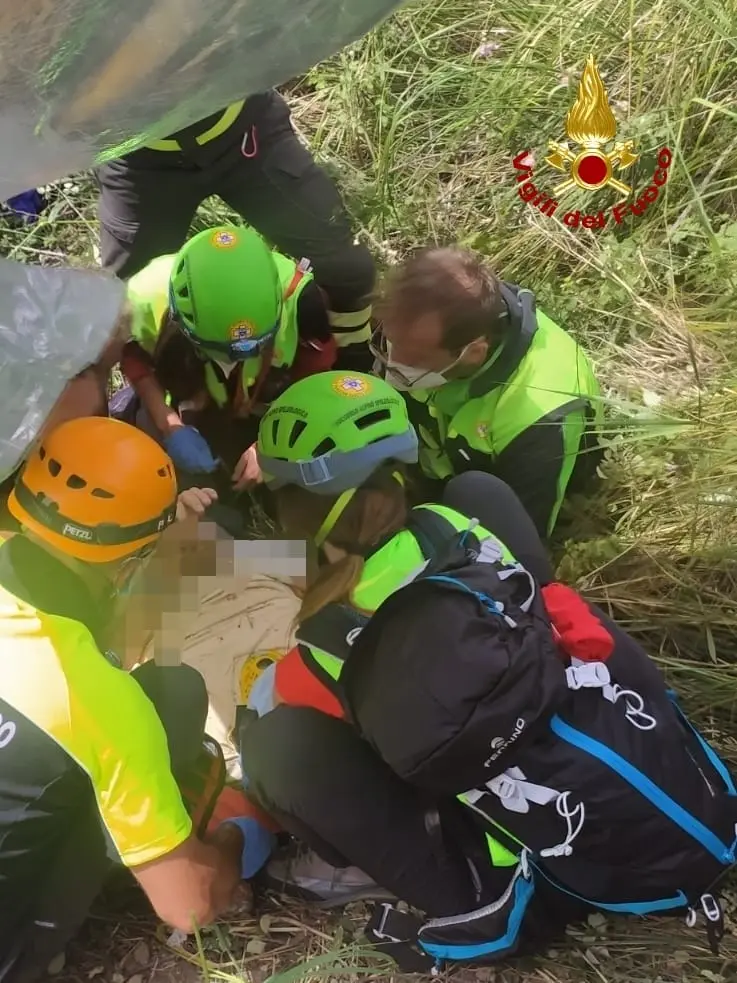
(258, 845)
(189, 450)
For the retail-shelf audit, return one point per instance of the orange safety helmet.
(96, 489)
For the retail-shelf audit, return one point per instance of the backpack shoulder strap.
(333, 629)
(441, 544)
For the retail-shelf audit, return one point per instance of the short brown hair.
(456, 285)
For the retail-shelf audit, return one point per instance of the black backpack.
(589, 773)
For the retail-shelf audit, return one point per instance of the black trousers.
(84, 864)
(262, 171)
(487, 498)
(330, 789)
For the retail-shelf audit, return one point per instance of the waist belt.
(226, 120)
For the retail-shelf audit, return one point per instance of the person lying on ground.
(92, 759)
(250, 156)
(227, 324)
(485, 738)
(492, 383)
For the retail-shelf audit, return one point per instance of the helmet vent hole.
(297, 429)
(274, 430)
(164, 472)
(101, 493)
(42, 452)
(183, 291)
(75, 482)
(325, 447)
(371, 418)
(54, 468)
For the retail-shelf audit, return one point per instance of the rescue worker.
(224, 326)
(502, 731)
(492, 383)
(84, 395)
(249, 155)
(359, 526)
(92, 758)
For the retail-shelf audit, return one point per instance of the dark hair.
(454, 284)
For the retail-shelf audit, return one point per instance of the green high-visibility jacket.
(539, 376)
(149, 292)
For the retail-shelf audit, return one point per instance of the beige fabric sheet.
(226, 626)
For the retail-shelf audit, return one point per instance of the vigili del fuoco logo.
(591, 127)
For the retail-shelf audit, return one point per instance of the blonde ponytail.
(334, 583)
(376, 511)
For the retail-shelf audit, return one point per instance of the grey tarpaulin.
(82, 81)
(85, 80)
(52, 324)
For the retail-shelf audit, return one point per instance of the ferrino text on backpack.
(559, 736)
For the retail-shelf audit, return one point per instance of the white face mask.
(405, 377)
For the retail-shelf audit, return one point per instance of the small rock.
(95, 971)
(177, 938)
(256, 947)
(118, 978)
(135, 979)
(265, 924)
(486, 50)
(57, 964)
(650, 398)
(141, 954)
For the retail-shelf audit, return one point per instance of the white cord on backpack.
(595, 675)
(565, 849)
(615, 692)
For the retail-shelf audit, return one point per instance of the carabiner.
(250, 136)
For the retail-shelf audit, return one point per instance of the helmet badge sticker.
(351, 385)
(224, 239)
(240, 335)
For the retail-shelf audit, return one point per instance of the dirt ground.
(285, 942)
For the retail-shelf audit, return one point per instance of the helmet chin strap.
(339, 507)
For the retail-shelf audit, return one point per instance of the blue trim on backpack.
(679, 900)
(487, 601)
(714, 760)
(660, 799)
(523, 891)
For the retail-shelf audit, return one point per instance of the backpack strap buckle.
(587, 675)
(395, 932)
(714, 917)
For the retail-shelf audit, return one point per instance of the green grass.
(421, 135)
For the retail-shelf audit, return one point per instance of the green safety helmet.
(225, 292)
(329, 432)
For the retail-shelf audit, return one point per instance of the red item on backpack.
(577, 629)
